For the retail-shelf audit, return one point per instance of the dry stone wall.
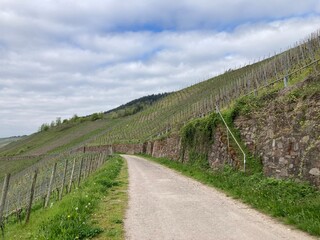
(220, 153)
(118, 148)
(104, 148)
(287, 138)
(169, 147)
(284, 134)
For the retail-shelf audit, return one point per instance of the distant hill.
(6, 141)
(136, 105)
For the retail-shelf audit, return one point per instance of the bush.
(96, 116)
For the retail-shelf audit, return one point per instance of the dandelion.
(76, 208)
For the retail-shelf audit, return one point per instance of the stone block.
(283, 161)
(305, 139)
(284, 172)
(314, 171)
(280, 145)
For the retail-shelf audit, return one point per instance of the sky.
(64, 57)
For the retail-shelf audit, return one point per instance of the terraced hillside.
(168, 114)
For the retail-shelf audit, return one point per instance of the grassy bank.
(297, 204)
(111, 210)
(80, 215)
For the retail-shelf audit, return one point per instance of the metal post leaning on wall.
(244, 155)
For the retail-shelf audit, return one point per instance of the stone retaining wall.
(287, 138)
(169, 147)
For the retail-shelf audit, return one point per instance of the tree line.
(73, 120)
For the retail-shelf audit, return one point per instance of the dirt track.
(165, 205)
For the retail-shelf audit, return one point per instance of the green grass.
(291, 202)
(75, 216)
(111, 210)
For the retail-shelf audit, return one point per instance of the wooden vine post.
(63, 179)
(71, 177)
(86, 167)
(33, 186)
(80, 171)
(89, 166)
(50, 185)
(3, 200)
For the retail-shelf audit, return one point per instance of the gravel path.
(165, 205)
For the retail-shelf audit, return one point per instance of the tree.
(44, 127)
(58, 121)
(96, 116)
(74, 118)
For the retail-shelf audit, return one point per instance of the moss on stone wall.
(196, 138)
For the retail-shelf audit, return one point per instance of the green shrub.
(197, 136)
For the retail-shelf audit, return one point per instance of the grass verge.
(293, 203)
(111, 210)
(76, 216)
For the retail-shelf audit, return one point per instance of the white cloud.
(113, 14)
(64, 57)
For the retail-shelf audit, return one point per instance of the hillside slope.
(168, 114)
(6, 141)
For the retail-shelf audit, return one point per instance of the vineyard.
(170, 113)
(51, 178)
(52, 166)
